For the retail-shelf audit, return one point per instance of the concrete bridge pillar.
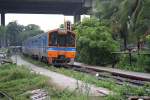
(2, 18)
(77, 18)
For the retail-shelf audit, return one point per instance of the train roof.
(60, 30)
(36, 36)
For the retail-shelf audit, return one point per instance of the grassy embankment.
(120, 91)
(15, 81)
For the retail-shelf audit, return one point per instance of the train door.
(44, 43)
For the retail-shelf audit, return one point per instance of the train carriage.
(57, 47)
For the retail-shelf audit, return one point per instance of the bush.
(148, 40)
(140, 63)
(147, 64)
(95, 42)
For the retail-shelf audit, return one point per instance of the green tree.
(125, 17)
(29, 31)
(104, 9)
(62, 26)
(13, 33)
(94, 42)
(142, 24)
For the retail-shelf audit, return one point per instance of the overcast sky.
(45, 21)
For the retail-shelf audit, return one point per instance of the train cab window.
(53, 39)
(70, 39)
(62, 40)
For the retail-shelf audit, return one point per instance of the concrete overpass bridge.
(66, 7)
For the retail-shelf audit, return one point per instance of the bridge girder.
(66, 7)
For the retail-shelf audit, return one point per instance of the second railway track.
(119, 78)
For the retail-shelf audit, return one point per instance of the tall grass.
(17, 80)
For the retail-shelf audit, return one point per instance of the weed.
(17, 80)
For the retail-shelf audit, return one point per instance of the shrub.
(139, 63)
(147, 64)
(148, 40)
(95, 42)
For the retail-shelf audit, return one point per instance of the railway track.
(101, 74)
(4, 96)
(118, 79)
(106, 75)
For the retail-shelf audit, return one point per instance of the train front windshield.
(70, 40)
(62, 39)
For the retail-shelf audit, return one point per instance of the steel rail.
(106, 75)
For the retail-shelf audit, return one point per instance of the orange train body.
(67, 54)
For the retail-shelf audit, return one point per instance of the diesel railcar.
(57, 47)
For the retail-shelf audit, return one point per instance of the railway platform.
(117, 72)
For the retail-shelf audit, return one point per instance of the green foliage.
(127, 18)
(30, 31)
(144, 61)
(143, 22)
(105, 9)
(62, 26)
(148, 40)
(14, 34)
(94, 42)
(140, 63)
